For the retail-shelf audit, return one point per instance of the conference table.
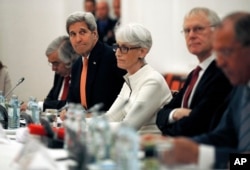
(43, 159)
(12, 156)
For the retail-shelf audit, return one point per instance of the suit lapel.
(206, 77)
(93, 63)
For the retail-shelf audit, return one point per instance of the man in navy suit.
(105, 24)
(198, 115)
(232, 47)
(104, 79)
(61, 57)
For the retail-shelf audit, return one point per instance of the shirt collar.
(204, 65)
(84, 57)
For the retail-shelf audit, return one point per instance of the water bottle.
(14, 113)
(67, 124)
(150, 161)
(81, 122)
(99, 142)
(75, 137)
(35, 112)
(29, 105)
(80, 140)
(126, 148)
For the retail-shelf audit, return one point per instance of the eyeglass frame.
(123, 49)
(54, 64)
(196, 29)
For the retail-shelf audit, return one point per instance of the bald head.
(102, 10)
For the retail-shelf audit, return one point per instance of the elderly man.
(105, 23)
(232, 48)
(193, 110)
(89, 6)
(95, 76)
(61, 57)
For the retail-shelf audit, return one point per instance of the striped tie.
(244, 136)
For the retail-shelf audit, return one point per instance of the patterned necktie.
(83, 82)
(189, 89)
(65, 88)
(244, 137)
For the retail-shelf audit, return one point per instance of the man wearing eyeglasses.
(228, 145)
(95, 76)
(198, 106)
(61, 57)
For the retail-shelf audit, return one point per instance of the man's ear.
(96, 34)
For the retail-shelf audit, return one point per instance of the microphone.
(18, 83)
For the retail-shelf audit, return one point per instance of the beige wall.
(28, 26)
(164, 19)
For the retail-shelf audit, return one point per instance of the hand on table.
(175, 150)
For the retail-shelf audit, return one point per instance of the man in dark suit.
(89, 6)
(193, 115)
(61, 57)
(105, 24)
(52, 100)
(232, 47)
(104, 79)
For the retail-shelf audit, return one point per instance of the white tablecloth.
(9, 152)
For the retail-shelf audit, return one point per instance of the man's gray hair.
(80, 16)
(64, 48)
(212, 16)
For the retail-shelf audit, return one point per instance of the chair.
(175, 81)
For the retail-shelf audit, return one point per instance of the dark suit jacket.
(51, 101)
(108, 29)
(211, 91)
(104, 78)
(225, 136)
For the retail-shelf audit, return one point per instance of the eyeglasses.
(196, 29)
(54, 64)
(123, 49)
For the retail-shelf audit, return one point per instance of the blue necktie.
(244, 136)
